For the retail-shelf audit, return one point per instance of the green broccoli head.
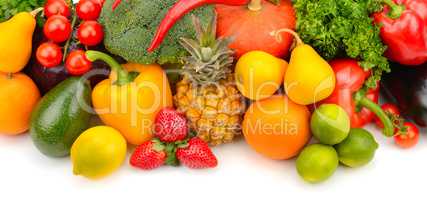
(131, 27)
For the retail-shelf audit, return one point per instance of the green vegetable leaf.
(9, 8)
(344, 29)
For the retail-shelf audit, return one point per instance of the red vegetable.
(77, 63)
(49, 55)
(404, 30)
(90, 33)
(181, 8)
(57, 28)
(256, 26)
(56, 7)
(350, 78)
(88, 9)
(409, 137)
(391, 110)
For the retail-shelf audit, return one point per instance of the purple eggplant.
(407, 88)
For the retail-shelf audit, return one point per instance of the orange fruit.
(276, 127)
(18, 96)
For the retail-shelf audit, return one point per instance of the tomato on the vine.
(391, 110)
(77, 64)
(100, 2)
(90, 33)
(88, 9)
(56, 7)
(49, 54)
(409, 137)
(57, 28)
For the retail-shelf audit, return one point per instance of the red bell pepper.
(181, 8)
(404, 30)
(360, 106)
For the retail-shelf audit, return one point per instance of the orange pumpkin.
(256, 29)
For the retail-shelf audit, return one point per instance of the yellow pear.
(16, 36)
(309, 78)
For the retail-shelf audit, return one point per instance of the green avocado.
(61, 116)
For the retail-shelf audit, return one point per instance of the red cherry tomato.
(77, 64)
(88, 9)
(390, 109)
(56, 7)
(100, 2)
(409, 138)
(90, 33)
(57, 28)
(49, 54)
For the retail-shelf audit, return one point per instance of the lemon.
(98, 152)
(259, 75)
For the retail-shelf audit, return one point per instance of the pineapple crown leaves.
(210, 57)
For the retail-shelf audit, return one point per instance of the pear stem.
(36, 11)
(255, 5)
(278, 35)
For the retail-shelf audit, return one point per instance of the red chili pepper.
(181, 8)
(404, 30)
(350, 78)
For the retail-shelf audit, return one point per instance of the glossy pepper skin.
(350, 78)
(131, 98)
(178, 11)
(404, 30)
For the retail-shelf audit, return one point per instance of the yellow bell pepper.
(129, 100)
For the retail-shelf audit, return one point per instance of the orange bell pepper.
(129, 100)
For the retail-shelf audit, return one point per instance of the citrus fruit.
(330, 124)
(259, 75)
(97, 152)
(317, 163)
(357, 149)
(276, 127)
(18, 96)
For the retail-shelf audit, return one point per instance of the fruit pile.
(214, 70)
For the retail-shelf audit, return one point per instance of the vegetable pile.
(277, 72)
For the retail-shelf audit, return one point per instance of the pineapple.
(207, 93)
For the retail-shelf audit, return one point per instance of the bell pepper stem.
(395, 9)
(388, 124)
(123, 77)
(255, 5)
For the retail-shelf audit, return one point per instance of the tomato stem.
(123, 77)
(67, 44)
(255, 5)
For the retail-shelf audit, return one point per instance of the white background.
(241, 174)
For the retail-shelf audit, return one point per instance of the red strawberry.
(170, 125)
(149, 155)
(196, 154)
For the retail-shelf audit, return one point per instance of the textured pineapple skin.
(214, 110)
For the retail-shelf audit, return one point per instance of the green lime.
(357, 149)
(317, 163)
(97, 152)
(330, 124)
